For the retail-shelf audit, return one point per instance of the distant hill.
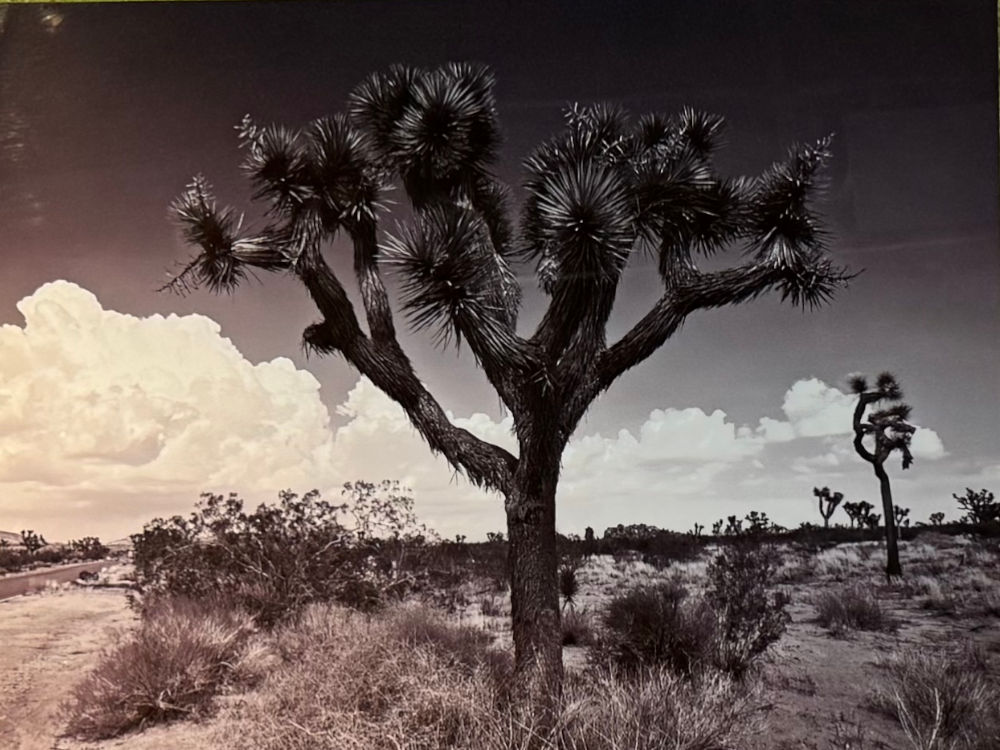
(10, 537)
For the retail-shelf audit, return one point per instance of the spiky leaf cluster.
(437, 129)
(321, 178)
(605, 185)
(451, 279)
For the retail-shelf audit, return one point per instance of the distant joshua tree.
(717, 527)
(697, 530)
(899, 515)
(872, 520)
(890, 431)
(828, 503)
(937, 518)
(32, 542)
(857, 512)
(979, 507)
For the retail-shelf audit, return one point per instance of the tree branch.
(385, 364)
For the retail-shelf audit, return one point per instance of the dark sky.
(108, 110)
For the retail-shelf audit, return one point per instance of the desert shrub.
(52, 554)
(851, 608)
(656, 709)
(935, 595)
(655, 624)
(13, 560)
(89, 548)
(577, 629)
(405, 678)
(277, 558)
(943, 700)
(369, 683)
(182, 654)
(749, 616)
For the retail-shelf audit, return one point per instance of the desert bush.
(655, 624)
(89, 548)
(279, 557)
(943, 700)
(749, 617)
(849, 608)
(13, 560)
(180, 657)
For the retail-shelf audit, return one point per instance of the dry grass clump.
(404, 679)
(408, 679)
(180, 657)
(658, 709)
(943, 701)
(851, 608)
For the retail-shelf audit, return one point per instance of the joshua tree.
(717, 528)
(828, 503)
(32, 542)
(979, 507)
(697, 530)
(872, 520)
(937, 518)
(595, 194)
(757, 523)
(899, 515)
(889, 431)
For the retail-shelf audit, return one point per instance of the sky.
(119, 403)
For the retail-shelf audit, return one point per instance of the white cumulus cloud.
(145, 411)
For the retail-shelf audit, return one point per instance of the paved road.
(23, 583)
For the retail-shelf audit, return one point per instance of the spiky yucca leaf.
(448, 273)
(342, 172)
(377, 104)
(858, 383)
(785, 232)
(212, 229)
(276, 165)
(893, 413)
(700, 131)
(888, 386)
(447, 134)
(584, 216)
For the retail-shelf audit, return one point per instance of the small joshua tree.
(979, 507)
(900, 515)
(697, 530)
(872, 520)
(717, 528)
(858, 512)
(32, 542)
(828, 503)
(889, 431)
(757, 523)
(937, 518)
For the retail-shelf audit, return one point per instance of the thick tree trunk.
(892, 567)
(534, 591)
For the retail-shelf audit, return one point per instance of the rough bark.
(531, 528)
(892, 567)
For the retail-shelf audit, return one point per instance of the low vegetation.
(353, 626)
(182, 654)
(943, 701)
(847, 608)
